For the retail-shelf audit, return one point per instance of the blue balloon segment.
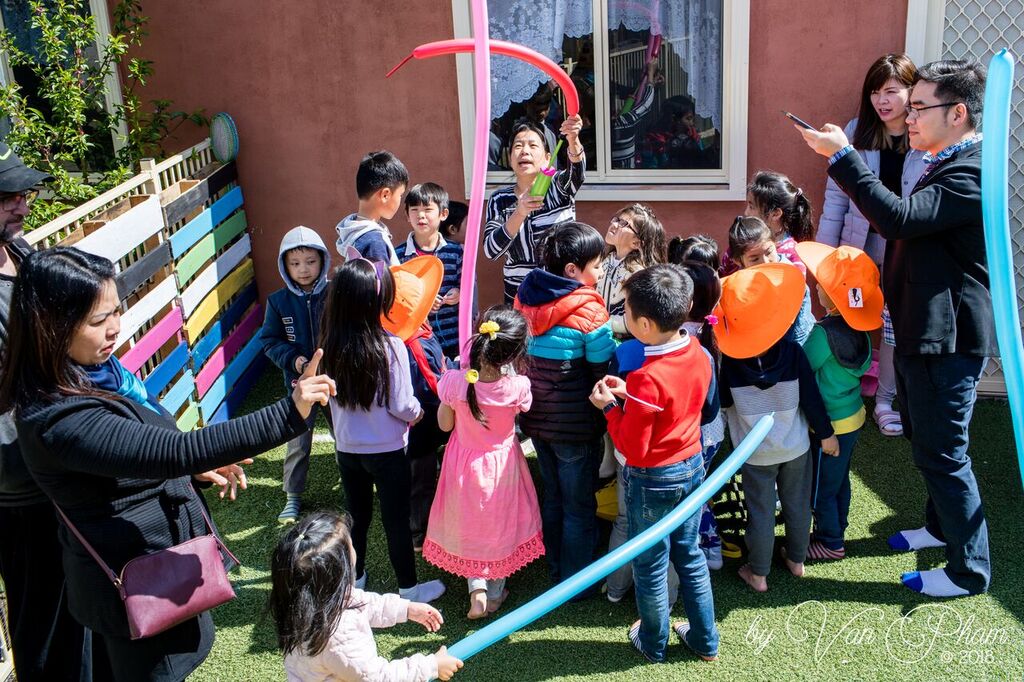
(559, 594)
(998, 246)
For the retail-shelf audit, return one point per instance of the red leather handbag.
(168, 587)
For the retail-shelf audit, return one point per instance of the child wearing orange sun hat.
(839, 350)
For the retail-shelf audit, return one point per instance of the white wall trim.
(925, 24)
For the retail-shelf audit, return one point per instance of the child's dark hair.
(427, 193)
(707, 290)
(525, 124)
(771, 191)
(311, 575)
(746, 232)
(697, 247)
(356, 350)
(508, 347)
(457, 212)
(661, 293)
(379, 170)
(570, 242)
(649, 233)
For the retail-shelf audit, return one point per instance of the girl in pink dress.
(485, 522)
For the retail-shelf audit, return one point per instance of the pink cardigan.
(351, 652)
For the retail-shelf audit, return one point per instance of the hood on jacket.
(850, 348)
(308, 238)
(353, 226)
(547, 300)
(767, 370)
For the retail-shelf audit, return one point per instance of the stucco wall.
(305, 83)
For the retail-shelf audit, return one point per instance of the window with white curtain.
(662, 85)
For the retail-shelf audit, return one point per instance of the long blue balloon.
(556, 596)
(995, 209)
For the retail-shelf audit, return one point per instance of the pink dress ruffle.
(485, 520)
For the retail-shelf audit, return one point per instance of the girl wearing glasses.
(636, 240)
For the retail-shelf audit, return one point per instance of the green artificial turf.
(844, 620)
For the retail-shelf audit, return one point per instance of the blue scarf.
(112, 376)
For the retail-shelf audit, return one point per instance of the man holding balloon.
(937, 287)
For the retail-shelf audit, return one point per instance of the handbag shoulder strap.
(106, 569)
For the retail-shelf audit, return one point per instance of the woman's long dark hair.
(772, 190)
(707, 289)
(508, 347)
(871, 132)
(357, 354)
(649, 232)
(311, 578)
(53, 295)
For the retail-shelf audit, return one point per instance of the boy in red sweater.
(654, 420)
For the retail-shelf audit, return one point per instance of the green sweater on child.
(839, 357)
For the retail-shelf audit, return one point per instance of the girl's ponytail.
(477, 350)
(500, 340)
(771, 190)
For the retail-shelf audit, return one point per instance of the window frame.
(112, 84)
(725, 184)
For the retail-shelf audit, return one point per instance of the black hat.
(15, 176)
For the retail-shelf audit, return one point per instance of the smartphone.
(799, 121)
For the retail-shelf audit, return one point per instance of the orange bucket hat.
(850, 278)
(417, 282)
(757, 307)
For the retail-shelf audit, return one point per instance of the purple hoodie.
(380, 429)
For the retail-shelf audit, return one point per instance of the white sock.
(934, 583)
(423, 592)
(918, 538)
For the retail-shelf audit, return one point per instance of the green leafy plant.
(66, 129)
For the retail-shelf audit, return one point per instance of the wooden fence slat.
(189, 419)
(217, 392)
(195, 197)
(122, 234)
(219, 330)
(229, 408)
(222, 356)
(141, 270)
(146, 308)
(179, 393)
(198, 227)
(160, 377)
(215, 300)
(214, 273)
(209, 245)
(153, 340)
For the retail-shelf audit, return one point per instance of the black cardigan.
(122, 473)
(935, 274)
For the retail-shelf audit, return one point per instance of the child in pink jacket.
(324, 623)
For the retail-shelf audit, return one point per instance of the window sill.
(650, 192)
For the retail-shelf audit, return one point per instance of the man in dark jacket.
(48, 643)
(936, 283)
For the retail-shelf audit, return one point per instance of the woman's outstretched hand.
(312, 388)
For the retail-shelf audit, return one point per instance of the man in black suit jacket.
(936, 284)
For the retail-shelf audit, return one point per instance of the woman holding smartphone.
(879, 133)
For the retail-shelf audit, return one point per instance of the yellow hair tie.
(472, 376)
(491, 328)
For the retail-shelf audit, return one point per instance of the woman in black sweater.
(113, 460)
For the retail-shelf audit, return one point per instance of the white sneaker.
(713, 555)
(423, 592)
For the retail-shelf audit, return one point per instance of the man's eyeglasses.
(9, 202)
(914, 111)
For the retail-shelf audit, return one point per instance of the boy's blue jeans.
(569, 510)
(830, 494)
(651, 493)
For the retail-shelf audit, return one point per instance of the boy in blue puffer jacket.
(289, 335)
(570, 346)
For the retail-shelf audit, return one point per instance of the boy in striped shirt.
(426, 207)
(516, 221)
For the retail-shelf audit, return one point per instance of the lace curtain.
(692, 27)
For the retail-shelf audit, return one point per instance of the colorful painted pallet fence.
(186, 281)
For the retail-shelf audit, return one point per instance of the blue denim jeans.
(830, 496)
(569, 510)
(651, 494)
(937, 395)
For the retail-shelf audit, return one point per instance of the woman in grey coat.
(879, 134)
